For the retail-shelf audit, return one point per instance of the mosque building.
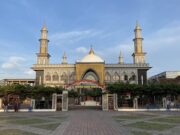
(91, 71)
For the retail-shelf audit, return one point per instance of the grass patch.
(170, 119)
(9, 118)
(129, 117)
(140, 133)
(41, 115)
(119, 120)
(48, 126)
(28, 121)
(15, 132)
(150, 126)
(58, 117)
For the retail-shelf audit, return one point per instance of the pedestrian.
(16, 105)
(5, 103)
(168, 104)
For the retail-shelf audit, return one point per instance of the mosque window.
(107, 77)
(72, 77)
(55, 77)
(125, 77)
(44, 61)
(133, 77)
(64, 77)
(48, 77)
(116, 77)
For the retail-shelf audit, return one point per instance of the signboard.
(86, 86)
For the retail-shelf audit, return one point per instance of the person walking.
(5, 103)
(16, 105)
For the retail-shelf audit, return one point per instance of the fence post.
(0, 103)
(115, 101)
(164, 102)
(54, 101)
(135, 103)
(105, 102)
(65, 101)
(33, 101)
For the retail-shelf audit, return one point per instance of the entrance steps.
(81, 107)
(90, 103)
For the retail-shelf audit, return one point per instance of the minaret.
(64, 59)
(43, 55)
(91, 50)
(121, 59)
(138, 55)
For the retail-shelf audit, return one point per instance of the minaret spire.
(137, 25)
(91, 50)
(138, 55)
(43, 56)
(64, 58)
(121, 59)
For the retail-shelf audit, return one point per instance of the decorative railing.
(53, 65)
(127, 65)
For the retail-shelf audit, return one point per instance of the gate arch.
(90, 74)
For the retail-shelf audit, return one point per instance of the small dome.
(92, 58)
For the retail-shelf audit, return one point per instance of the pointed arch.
(107, 76)
(64, 77)
(90, 74)
(48, 77)
(72, 76)
(116, 77)
(133, 76)
(125, 76)
(55, 76)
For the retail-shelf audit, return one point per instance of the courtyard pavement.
(90, 122)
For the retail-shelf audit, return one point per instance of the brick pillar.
(105, 102)
(135, 103)
(164, 102)
(0, 103)
(54, 101)
(115, 102)
(65, 101)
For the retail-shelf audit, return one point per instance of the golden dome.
(92, 58)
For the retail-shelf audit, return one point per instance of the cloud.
(13, 62)
(81, 50)
(167, 36)
(16, 67)
(29, 72)
(72, 36)
(162, 47)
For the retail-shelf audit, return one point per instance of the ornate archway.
(90, 74)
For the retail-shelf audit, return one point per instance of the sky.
(74, 25)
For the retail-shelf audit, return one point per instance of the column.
(54, 101)
(105, 102)
(135, 103)
(33, 103)
(115, 101)
(65, 101)
(0, 103)
(164, 102)
(142, 79)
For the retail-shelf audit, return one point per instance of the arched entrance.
(90, 74)
(89, 94)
